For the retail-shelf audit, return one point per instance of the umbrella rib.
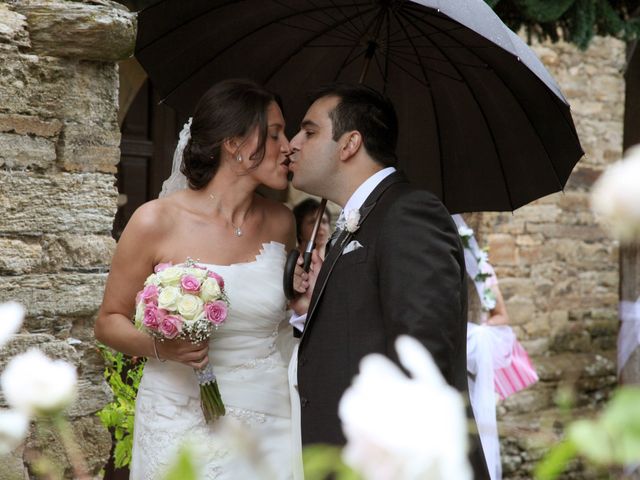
(305, 44)
(553, 167)
(408, 58)
(262, 27)
(321, 10)
(434, 109)
(484, 117)
(357, 31)
(176, 27)
(304, 29)
(385, 76)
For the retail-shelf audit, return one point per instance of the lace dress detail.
(249, 355)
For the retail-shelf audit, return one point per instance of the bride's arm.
(132, 263)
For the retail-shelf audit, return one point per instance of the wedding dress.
(249, 354)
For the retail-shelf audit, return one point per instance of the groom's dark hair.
(369, 112)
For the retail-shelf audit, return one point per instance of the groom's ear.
(350, 144)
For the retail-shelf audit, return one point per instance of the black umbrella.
(482, 123)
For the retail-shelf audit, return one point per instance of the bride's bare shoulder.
(153, 218)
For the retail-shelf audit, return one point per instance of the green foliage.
(184, 466)
(322, 460)
(123, 376)
(576, 21)
(613, 439)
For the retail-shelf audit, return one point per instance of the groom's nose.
(294, 144)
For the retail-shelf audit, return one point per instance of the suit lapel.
(342, 241)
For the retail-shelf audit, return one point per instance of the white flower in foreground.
(464, 231)
(14, 426)
(11, 316)
(35, 384)
(404, 428)
(616, 196)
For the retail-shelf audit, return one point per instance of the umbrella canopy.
(483, 125)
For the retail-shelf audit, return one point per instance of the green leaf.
(320, 461)
(543, 10)
(183, 468)
(555, 461)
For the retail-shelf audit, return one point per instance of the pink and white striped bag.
(517, 376)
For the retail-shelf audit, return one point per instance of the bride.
(235, 143)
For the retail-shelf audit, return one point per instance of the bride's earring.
(239, 158)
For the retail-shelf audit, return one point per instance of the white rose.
(152, 279)
(168, 298)
(171, 276)
(400, 427)
(210, 290)
(352, 220)
(615, 197)
(139, 315)
(199, 273)
(35, 384)
(14, 426)
(190, 306)
(11, 316)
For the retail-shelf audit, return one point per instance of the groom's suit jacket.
(408, 277)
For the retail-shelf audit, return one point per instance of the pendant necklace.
(237, 229)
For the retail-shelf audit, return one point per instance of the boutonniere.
(352, 222)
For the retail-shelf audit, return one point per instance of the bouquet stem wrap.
(210, 399)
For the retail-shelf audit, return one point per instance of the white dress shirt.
(355, 202)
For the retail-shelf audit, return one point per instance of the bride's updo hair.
(231, 108)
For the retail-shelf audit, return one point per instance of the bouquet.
(185, 301)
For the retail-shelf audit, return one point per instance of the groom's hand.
(304, 283)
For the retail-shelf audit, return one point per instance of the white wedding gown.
(249, 354)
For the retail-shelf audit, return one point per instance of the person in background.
(305, 213)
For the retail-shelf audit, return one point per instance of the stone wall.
(59, 146)
(558, 270)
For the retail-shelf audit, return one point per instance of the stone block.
(28, 125)
(521, 309)
(69, 251)
(13, 27)
(502, 249)
(54, 348)
(92, 437)
(73, 295)
(11, 465)
(87, 148)
(18, 256)
(76, 203)
(49, 87)
(535, 398)
(104, 32)
(583, 178)
(540, 213)
(22, 151)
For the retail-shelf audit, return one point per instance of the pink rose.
(153, 316)
(216, 312)
(190, 284)
(217, 278)
(162, 266)
(171, 326)
(150, 294)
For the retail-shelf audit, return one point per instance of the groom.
(396, 268)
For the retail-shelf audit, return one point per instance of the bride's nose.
(285, 147)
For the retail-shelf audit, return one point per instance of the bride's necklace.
(237, 229)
